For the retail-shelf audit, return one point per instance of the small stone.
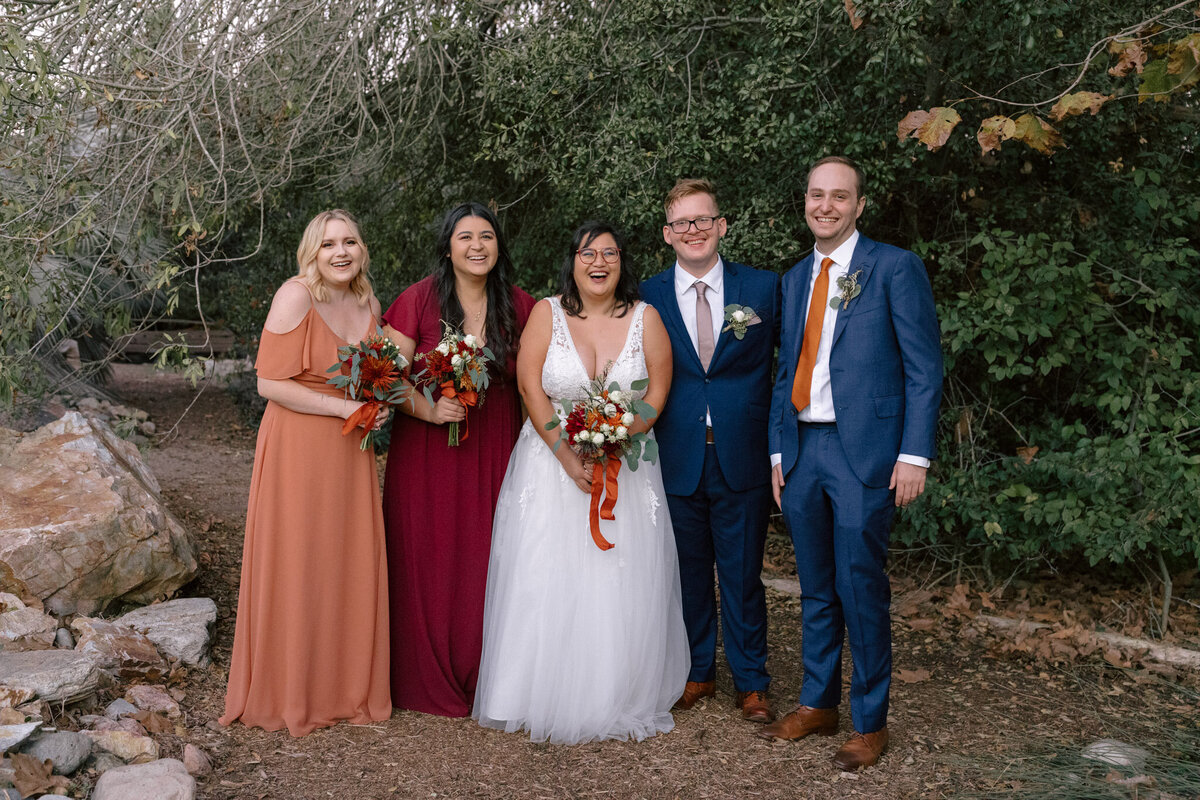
(55, 797)
(64, 639)
(181, 628)
(140, 415)
(125, 745)
(27, 629)
(87, 404)
(166, 779)
(196, 760)
(119, 708)
(148, 428)
(10, 794)
(67, 749)
(1116, 753)
(153, 698)
(127, 724)
(13, 735)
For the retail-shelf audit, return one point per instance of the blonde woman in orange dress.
(311, 643)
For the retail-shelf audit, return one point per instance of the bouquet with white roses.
(597, 428)
(458, 368)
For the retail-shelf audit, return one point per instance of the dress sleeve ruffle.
(283, 355)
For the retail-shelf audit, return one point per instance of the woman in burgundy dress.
(438, 500)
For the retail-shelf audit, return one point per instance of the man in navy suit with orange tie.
(853, 416)
(723, 320)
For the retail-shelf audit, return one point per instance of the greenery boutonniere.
(848, 289)
(738, 318)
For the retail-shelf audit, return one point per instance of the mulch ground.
(968, 706)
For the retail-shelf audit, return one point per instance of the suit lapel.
(733, 294)
(668, 309)
(798, 303)
(863, 259)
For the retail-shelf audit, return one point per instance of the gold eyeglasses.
(588, 254)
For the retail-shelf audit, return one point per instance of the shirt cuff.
(776, 459)
(916, 461)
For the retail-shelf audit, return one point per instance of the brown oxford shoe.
(755, 706)
(861, 750)
(693, 691)
(801, 722)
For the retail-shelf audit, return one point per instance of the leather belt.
(708, 435)
(818, 425)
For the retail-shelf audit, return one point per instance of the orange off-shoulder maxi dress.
(310, 646)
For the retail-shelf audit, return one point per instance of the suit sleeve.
(919, 338)
(782, 393)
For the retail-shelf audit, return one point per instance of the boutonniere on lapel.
(738, 318)
(848, 289)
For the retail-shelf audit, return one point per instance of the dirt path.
(963, 706)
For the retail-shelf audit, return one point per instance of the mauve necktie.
(802, 385)
(704, 328)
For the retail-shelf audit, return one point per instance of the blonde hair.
(686, 187)
(306, 257)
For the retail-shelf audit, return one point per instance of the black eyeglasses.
(588, 255)
(701, 223)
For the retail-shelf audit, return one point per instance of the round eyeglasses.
(588, 254)
(701, 223)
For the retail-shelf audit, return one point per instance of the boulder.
(52, 675)
(66, 749)
(13, 735)
(166, 779)
(124, 745)
(27, 629)
(181, 628)
(119, 648)
(81, 521)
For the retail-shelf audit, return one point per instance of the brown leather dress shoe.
(801, 722)
(861, 750)
(755, 706)
(693, 691)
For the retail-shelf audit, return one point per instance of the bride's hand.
(576, 470)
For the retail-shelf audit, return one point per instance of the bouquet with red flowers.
(374, 371)
(458, 368)
(597, 428)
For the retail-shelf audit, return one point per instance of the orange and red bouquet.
(374, 371)
(597, 428)
(457, 368)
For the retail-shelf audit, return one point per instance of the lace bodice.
(564, 377)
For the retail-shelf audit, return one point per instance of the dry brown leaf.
(1037, 133)
(31, 776)
(913, 675)
(1077, 103)
(920, 624)
(932, 128)
(855, 20)
(993, 131)
(1131, 57)
(1026, 454)
(154, 722)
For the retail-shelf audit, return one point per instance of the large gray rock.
(27, 629)
(81, 521)
(66, 749)
(166, 779)
(181, 628)
(52, 675)
(13, 735)
(119, 648)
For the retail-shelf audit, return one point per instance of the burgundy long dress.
(438, 503)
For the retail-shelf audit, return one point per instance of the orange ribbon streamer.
(365, 416)
(604, 482)
(468, 397)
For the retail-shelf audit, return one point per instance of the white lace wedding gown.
(580, 644)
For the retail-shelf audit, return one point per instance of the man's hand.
(909, 481)
(777, 483)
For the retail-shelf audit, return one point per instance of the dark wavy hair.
(627, 293)
(500, 324)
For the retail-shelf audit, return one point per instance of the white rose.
(456, 360)
(739, 316)
(605, 427)
(627, 419)
(597, 438)
(609, 409)
(582, 437)
(622, 431)
(443, 348)
(470, 341)
(616, 397)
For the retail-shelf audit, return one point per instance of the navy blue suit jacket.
(736, 390)
(885, 364)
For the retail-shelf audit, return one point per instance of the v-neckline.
(575, 350)
(337, 335)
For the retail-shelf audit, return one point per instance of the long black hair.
(626, 295)
(500, 324)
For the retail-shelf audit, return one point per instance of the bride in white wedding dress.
(579, 643)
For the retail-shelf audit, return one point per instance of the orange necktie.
(802, 384)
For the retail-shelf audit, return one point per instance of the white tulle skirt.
(580, 644)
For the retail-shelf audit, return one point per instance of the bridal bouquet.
(458, 368)
(373, 371)
(597, 428)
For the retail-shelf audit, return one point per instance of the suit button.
(708, 380)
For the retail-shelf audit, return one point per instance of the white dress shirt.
(685, 296)
(820, 405)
